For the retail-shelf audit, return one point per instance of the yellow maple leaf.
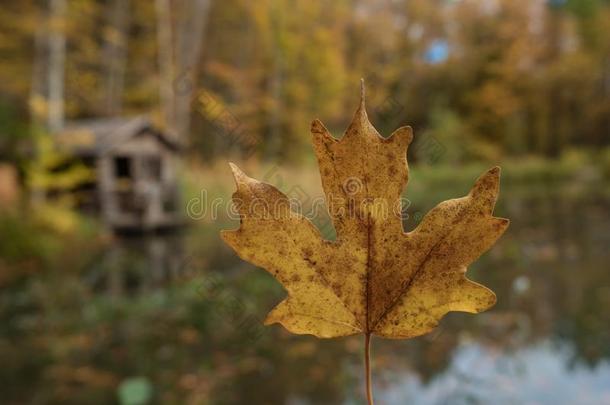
(375, 278)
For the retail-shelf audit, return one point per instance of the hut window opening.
(122, 167)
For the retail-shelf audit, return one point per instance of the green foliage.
(447, 128)
(13, 132)
(35, 240)
(22, 240)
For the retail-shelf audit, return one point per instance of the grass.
(428, 184)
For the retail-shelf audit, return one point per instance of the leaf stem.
(367, 368)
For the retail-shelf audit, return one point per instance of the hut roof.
(99, 136)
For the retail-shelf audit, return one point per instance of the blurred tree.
(115, 54)
(56, 64)
(524, 77)
(51, 172)
(180, 29)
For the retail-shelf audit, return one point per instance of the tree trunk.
(165, 59)
(273, 142)
(57, 56)
(179, 53)
(190, 35)
(554, 92)
(38, 89)
(115, 56)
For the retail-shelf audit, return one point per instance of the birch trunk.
(57, 56)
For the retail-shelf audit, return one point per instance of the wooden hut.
(134, 163)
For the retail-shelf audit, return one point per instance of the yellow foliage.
(41, 174)
(56, 217)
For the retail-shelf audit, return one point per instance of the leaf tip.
(487, 183)
(492, 299)
(360, 123)
(317, 127)
(362, 93)
(491, 176)
(238, 174)
(502, 224)
(403, 135)
(361, 111)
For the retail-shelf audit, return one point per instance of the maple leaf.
(375, 278)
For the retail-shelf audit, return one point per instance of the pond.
(178, 319)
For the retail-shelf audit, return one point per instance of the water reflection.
(536, 374)
(178, 311)
(547, 340)
(137, 264)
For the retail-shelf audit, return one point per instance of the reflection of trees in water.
(556, 248)
(139, 309)
(549, 274)
(286, 369)
(138, 264)
(565, 243)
